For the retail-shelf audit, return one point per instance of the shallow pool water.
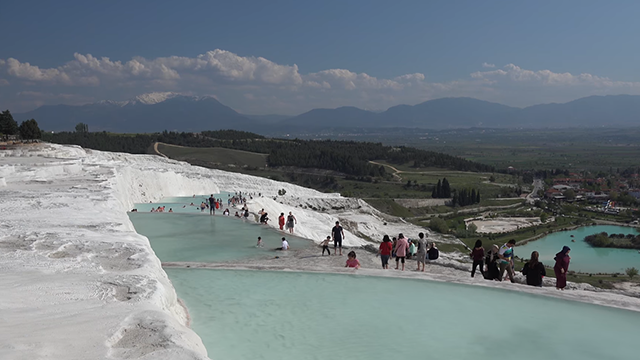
(191, 235)
(286, 315)
(584, 257)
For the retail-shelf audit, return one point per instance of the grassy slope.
(215, 155)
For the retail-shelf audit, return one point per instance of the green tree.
(472, 228)
(30, 130)
(8, 126)
(439, 189)
(82, 128)
(632, 272)
(544, 217)
(446, 188)
(492, 178)
(439, 225)
(570, 194)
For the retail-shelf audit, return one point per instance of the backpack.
(433, 254)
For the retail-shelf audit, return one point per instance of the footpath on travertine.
(448, 268)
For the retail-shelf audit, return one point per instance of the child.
(412, 249)
(325, 245)
(259, 242)
(352, 261)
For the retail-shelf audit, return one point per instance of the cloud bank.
(260, 86)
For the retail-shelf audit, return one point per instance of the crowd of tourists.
(499, 260)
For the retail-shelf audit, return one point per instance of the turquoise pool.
(296, 316)
(584, 257)
(189, 235)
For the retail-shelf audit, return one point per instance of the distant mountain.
(170, 111)
(146, 113)
(450, 113)
(346, 116)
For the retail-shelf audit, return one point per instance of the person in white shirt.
(285, 244)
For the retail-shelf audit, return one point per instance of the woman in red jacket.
(385, 251)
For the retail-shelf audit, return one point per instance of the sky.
(288, 57)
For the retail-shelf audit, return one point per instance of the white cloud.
(282, 88)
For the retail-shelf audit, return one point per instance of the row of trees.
(621, 241)
(27, 130)
(442, 190)
(465, 197)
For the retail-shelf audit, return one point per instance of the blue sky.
(291, 56)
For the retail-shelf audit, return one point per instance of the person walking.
(561, 267)
(477, 254)
(421, 254)
(338, 234)
(281, 221)
(506, 260)
(534, 270)
(291, 220)
(385, 251)
(402, 246)
(325, 245)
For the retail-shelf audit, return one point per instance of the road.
(538, 185)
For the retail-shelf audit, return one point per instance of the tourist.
(170, 210)
(291, 220)
(477, 254)
(202, 206)
(246, 214)
(352, 262)
(433, 253)
(412, 250)
(561, 267)
(385, 251)
(421, 254)
(506, 260)
(259, 244)
(281, 221)
(225, 212)
(534, 270)
(401, 250)
(237, 214)
(264, 218)
(325, 245)
(285, 244)
(338, 234)
(492, 272)
(212, 205)
(394, 243)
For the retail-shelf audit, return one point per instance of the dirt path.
(155, 148)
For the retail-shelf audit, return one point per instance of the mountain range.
(169, 111)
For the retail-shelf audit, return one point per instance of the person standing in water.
(212, 205)
(281, 221)
(338, 234)
(291, 220)
(477, 254)
(352, 262)
(561, 267)
(421, 255)
(534, 270)
(259, 242)
(402, 246)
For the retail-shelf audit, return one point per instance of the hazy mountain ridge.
(171, 111)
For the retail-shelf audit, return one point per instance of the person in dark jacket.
(492, 272)
(477, 254)
(534, 270)
(561, 267)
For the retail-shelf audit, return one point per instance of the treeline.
(620, 241)
(28, 130)
(465, 197)
(348, 157)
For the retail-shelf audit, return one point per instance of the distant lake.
(584, 257)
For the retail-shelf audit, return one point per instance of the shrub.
(439, 225)
(632, 272)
